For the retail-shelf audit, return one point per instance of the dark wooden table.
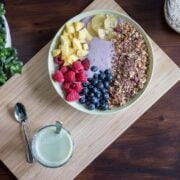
(149, 149)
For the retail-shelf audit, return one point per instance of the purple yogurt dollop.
(100, 54)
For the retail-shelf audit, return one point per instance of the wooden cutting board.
(91, 134)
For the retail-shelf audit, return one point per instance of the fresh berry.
(90, 79)
(82, 100)
(97, 104)
(72, 96)
(85, 84)
(103, 90)
(94, 81)
(77, 66)
(58, 76)
(90, 86)
(91, 94)
(106, 95)
(78, 87)
(58, 60)
(95, 90)
(81, 76)
(95, 76)
(106, 84)
(94, 100)
(84, 91)
(70, 76)
(108, 77)
(64, 69)
(102, 76)
(85, 64)
(104, 107)
(100, 85)
(94, 68)
(107, 71)
(91, 106)
(98, 94)
(67, 86)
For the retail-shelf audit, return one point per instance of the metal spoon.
(21, 116)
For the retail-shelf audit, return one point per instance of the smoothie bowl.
(100, 62)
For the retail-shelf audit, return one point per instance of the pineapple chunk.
(85, 46)
(101, 33)
(76, 44)
(82, 35)
(65, 33)
(70, 59)
(78, 26)
(65, 51)
(56, 52)
(82, 53)
(65, 40)
(71, 36)
(70, 28)
(88, 36)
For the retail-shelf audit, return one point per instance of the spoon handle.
(27, 143)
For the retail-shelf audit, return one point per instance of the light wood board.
(91, 134)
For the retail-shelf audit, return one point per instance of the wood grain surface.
(150, 149)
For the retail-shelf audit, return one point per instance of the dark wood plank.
(150, 149)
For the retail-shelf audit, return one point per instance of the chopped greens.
(9, 62)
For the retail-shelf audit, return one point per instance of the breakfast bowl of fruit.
(100, 62)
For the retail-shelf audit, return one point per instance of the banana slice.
(98, 22)
(110, 22)
(91, 31)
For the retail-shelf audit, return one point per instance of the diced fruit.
(110, 22)
(56, 52)
(78, 26)
(65, 40)
(85, 46)
(82, 53)
(70, 76)
(72, 96)
(58, 76)
(77, 66)
(70, 59)
(65, 51)
(76, 44)
(70, 28)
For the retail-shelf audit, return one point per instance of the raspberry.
(78, 87)
(77, 66)
(81, 76)
(58, 60)
(67, 86)
(58, 76)
(72, 96)
(69, 76)
(85, 64)
(64, 69)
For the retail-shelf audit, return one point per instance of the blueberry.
(91, 106)
(82, 100)
(106, 84)
(108, 77)
(84, 91)
(95, 76)
(107, 71)
(100, 85)
(94, 68)
(103, 90)
(94, 100)
(91, 94)
(95, 90)
(97, 105)
(102, 76)
(106, 95)
(94, 81)
(98, 94)
(89, 79)
(85, 84)
(90, 86)
(105, 107)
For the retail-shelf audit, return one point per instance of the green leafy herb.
(9, 62)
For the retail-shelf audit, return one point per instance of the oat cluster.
(129, 65)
